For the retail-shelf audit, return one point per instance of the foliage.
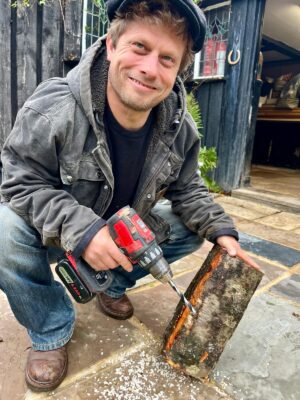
(208, 160)
(194, 109)
(207, 156)
(27, 3)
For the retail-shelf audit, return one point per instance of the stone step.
(273, 199)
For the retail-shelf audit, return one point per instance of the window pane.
(210, 62)
(95, 21)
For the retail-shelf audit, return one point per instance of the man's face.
(143, 66)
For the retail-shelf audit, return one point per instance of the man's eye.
(168, 59)
(139, 45)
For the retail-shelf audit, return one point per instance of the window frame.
(197, 76)
(103, 25)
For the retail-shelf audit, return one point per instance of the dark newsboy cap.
(186, 8)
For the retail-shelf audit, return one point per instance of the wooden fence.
(36, 43)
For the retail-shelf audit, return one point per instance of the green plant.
(207, 156)
(26, 3)
(208, 160)
(194, 109)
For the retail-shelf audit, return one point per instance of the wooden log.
(220, 293)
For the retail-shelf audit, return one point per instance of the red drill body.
(138, 243)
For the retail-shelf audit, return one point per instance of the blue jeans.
(40, 303)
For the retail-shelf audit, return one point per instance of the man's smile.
(142, 84)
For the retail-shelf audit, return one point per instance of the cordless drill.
(136, 241)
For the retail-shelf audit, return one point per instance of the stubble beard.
(128, 101)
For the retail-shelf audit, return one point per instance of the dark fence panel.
(52, 42)
(37, 43)
(5, 71)
(72, 31)
(26, 52)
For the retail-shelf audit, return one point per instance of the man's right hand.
(102, 253)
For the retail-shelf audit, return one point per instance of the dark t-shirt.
(128, 151)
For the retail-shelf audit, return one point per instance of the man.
(114, 132)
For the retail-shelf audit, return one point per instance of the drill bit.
(182, 296)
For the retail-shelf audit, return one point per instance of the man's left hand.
(233, 248)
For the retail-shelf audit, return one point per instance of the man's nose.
(150, 66)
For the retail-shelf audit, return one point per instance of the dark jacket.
(57, 172)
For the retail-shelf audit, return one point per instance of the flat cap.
(187, 8)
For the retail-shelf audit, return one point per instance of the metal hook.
(238, 57)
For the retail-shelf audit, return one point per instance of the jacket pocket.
(83, 180)
(159, 226)
(168, 174)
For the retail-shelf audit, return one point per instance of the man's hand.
(102, 253)
(233, 248)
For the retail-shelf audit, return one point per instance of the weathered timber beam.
(220, 292)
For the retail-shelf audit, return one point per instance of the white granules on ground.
(149, 378)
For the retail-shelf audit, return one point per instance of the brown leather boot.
(117, 308)
(45, 370)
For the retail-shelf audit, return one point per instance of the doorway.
(276, 150)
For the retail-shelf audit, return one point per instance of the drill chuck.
(161, 270)
(152, 260)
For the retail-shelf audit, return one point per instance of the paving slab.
(277, 200)
(13, 347)
(243, 379)
(262, 359)
(97, 337)
(283, 220)
(289, 288)
(235, 210)
(271, 272)
(245, 209)
(296, 269)
(269, 233)
(154, 307)
(272, 251)
(247, 204)
(141, 376)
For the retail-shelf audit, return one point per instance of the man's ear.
(109, 47)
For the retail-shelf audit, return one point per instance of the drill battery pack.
(80, 279)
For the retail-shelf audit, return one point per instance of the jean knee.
(17, 241)
(179, 230)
